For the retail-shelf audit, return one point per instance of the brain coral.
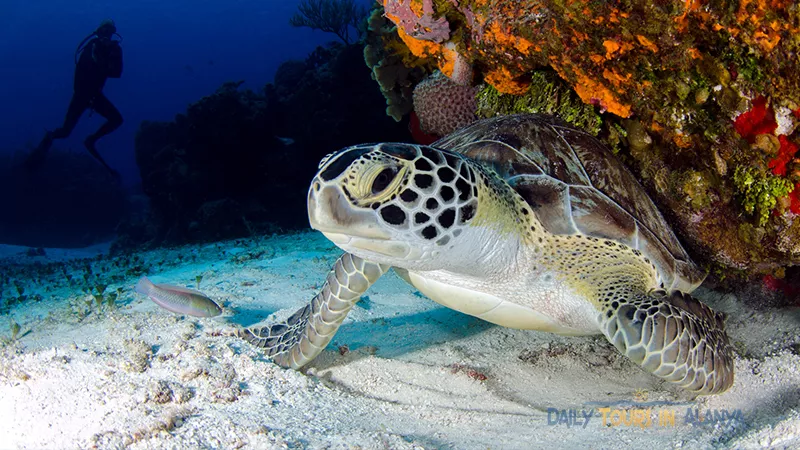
(442, 105)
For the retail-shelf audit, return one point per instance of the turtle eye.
(383, 180)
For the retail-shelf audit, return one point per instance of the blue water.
(175, 52)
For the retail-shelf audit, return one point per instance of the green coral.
(546, 95)
(760, 191)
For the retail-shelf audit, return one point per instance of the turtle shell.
(575, 185)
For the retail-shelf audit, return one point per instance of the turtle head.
(398, 204)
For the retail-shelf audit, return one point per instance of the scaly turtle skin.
(522, 221)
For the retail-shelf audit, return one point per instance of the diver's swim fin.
(36, 158)
(89, 144)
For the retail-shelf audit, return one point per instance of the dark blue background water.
(175, 52)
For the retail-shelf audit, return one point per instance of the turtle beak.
(330, 212)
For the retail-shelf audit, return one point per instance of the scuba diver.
(97, 58)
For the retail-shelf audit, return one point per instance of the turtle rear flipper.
(675, 337)
(296, 341)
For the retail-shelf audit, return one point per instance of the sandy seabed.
(402, 373)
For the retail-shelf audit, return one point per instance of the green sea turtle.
(522, 221)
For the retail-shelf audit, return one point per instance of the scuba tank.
(106, 30)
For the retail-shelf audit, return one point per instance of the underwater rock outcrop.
(238, 162)
(211, 166)
(70, 202)
(331, 105)
(701, 99)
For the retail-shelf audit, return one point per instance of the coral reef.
(700, 98)
(442, 105)
(205, 166)
(393, 67)
(418, 25)
(70, 202)
(547, 94)
(238, 162)
(760, 192)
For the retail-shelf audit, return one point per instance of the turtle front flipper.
(296, 341)
(673, 336)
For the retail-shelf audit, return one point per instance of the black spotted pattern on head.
(421, 218)
(423, 181)
(342, 162)
(464, 171)
(403, 151)
(447, 218)
(347, 193)
(423, 164)
(464, 189)
(393, 214)
(447, 193)
(467, 212)
(450, 159)
(436, 199)
(446, 174)
(431, 154)
(409, 195)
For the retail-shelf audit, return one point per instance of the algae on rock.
(547, 94)
(760, 192)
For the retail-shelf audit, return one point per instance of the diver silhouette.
(97, 58)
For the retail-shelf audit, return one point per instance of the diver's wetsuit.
(91, 73)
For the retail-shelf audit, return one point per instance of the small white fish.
(178, 300)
